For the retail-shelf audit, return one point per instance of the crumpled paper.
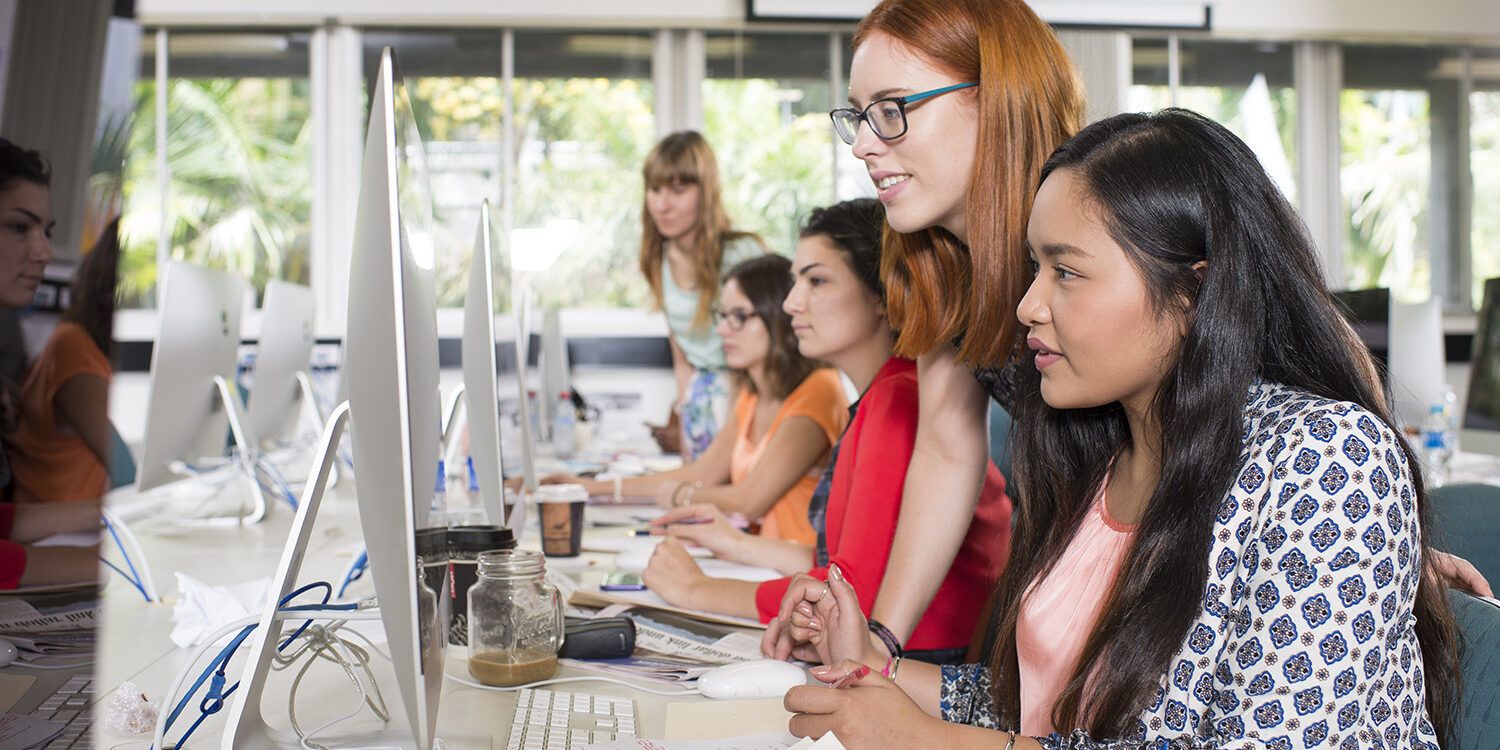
(129, 710)
(202, 609)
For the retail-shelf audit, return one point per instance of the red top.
(868, 479)
(12, 555)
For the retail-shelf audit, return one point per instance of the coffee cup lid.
(561, 493)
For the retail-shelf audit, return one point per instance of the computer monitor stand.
(246, 728)
(229, 398)
(451, 412)
(310, 402)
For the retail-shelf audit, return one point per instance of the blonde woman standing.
(687, 247)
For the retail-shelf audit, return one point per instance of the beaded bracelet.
(892, 645)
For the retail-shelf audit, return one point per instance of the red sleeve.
(12, 564)
(7, 519)
(878, 475)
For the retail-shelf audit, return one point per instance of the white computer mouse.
(766, 678)
(8, 652)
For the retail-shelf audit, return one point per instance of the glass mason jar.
(515, 620)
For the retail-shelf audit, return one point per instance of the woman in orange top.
(766, 461)
(59, 450)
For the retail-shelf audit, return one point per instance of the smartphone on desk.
(619, 580)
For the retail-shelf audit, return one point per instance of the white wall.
(1468, 20)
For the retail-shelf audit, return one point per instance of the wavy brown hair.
(685, 158)
(93, 305)
(766, 281)
(1030, 100)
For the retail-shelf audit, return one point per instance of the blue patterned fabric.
(1305, 636)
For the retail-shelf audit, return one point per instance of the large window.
(1246, 86)
(238, 182)
(1386, 131)
(584, 123)
(453, 81)
(765, 110)
(1484, 161)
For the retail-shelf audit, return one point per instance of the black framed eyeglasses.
(887, 117)
(735, 318)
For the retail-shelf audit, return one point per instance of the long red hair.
(1030, 101)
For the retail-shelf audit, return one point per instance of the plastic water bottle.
(1437, 446)
(564, 426)
(440, 491)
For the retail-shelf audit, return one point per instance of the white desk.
(135, 643)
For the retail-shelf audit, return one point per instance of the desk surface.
(135, 645)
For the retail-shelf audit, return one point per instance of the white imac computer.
(282, 392)
(1415, 375)
(194, 402)
(1482, 406)
(393, 412)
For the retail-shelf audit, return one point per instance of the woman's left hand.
(870, 711)
(673, 574)
(1456, 572)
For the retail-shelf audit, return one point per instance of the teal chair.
(1478, 720)
(121, 464)
(1468, 525)
(1000, 423)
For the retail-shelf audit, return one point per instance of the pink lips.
(1044, 357)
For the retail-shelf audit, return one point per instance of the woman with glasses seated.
(766, 460)
(687, 243)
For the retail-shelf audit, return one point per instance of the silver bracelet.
(1010, 743)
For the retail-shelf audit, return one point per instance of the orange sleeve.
(820, 397)
(70, 353)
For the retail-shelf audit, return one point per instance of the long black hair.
(766, 280)
(1176, 189)
(20, 163)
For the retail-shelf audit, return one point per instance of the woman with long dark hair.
(1221, 540)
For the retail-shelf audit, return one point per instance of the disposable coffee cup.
(465, 543)
(561, 509)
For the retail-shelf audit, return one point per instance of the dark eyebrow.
(881, 94)
(808, 267)
(1056, 250)
(29, 214)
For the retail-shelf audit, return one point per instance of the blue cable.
(356, 572)
(137, 586)
(134, 577)
(213, 700)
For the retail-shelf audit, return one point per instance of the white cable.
(348, 661)
(561, 680)
(170, 698)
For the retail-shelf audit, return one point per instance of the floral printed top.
(1305, 637)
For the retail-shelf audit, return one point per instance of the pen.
(685, 522)
(858, 674)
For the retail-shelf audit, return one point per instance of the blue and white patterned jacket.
(1305, 638)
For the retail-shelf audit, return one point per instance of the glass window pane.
(453, 80)
(240, 181)
(1246, 86)
(1386, 129)
(1484, 167)
(584, 124)
(765, 111)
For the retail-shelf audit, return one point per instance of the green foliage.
(240, 189)
(775, 153)
(1387, 158)
(1484, 150)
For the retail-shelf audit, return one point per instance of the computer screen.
(391, 361)
(1482, 407)
(283, 350)
(197, 339)
(1369, 312)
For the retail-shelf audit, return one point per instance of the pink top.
(1059, 613)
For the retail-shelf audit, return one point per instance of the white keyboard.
(70, 706)
(547, 720)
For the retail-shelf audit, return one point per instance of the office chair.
(121, 465)
(1468, 524)
(1478, 721)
